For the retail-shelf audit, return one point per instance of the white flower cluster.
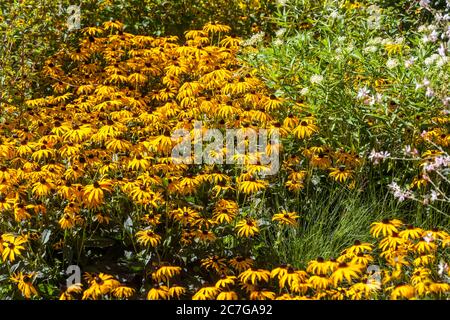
(438, 163)
(304, 91)
(436, 59)
(409, 62)
(367, 98)
(392, 63)
(316, 78)
(280, 32)
(377, 157)
(282, 3)
(409, 151)
(370, 49)
(431, 33)
(374, 20)
(254, 39)
(427, 85)
(400, 194)
(279, 37)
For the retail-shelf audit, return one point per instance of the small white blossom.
(374, 21)
(376, 157)
(399, 40)
(363, 93)
(410, 62)
(429, 93)
(316, 79)
(278, 42)
(282, 2)
(434, 36)
(280, 32)
(376, 40)
(409, 151)
(304, 91)
(334, 14)
(370, 49)
(350, 48)
(424, 3)
(434, 195)
(441, 62)
(391, 63)
(428, 237)
(315, 180)
(431, 59)
(442, 268)
(424, 134)
(446, 102)
(422, 28)
(374, 9)
(442, 50)
(400, 194)
(254, 39)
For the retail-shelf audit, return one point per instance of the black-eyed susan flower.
(247, 228)
(341, 173)
(176, 291)
(12, 246)
(319, 282)
(424, 259)
(291, 277)
(94, 193)
(286, 218)
(321, 160)
(148, 237)
(362, 290)
(262, 294)
(424, 246)
(385, 227)
(225, 281)
(225, 211)
(158, 293)
(391, 242)
(440, 288)
(73, 289)
(123, 292)
(305, 129)
(254, 276)
(403, 291)
(252, 185)
(99, 285)
(165, 273)
(216, 28)
(362, 259)
(206, 293)
(411, 233)
(300, 285)
(25, 284)
(347, 271)
(70, 220)
(215, 263)
(359, 247)
(279, 272)
(241, 264)
(318, 266)
(227, 295)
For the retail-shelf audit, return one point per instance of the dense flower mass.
(410, 268)
(96, 154)
(90, 180)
